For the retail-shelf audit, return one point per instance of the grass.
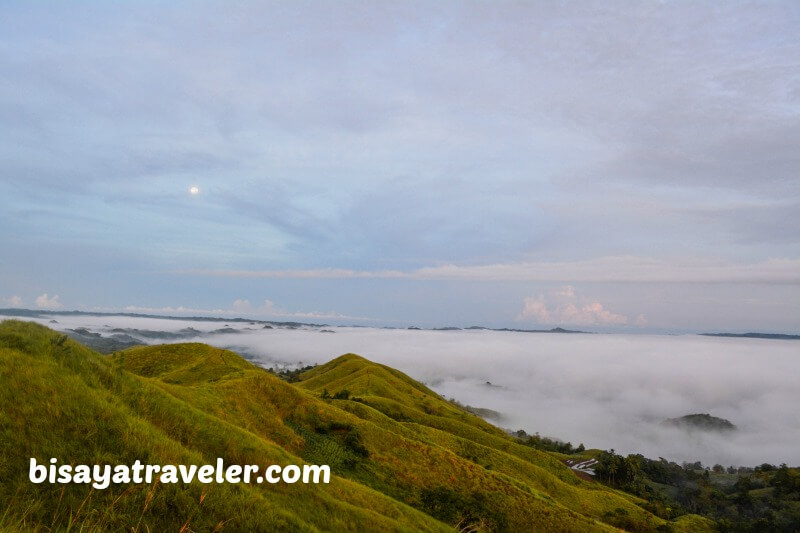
(403, 458)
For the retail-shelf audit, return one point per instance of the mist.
(605, 391)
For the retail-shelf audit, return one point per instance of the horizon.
(7, 313)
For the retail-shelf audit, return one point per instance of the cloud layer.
(239, 308)
(607, 391)
(601, 270)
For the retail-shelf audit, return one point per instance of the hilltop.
(752, 335)
(403, 458)
(700, 422)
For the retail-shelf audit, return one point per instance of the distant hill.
(780, 336)
(552, 330)
(403, 458)
(40, 313)
(700, 422)
(95, 341)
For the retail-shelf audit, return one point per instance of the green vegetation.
(292, 375)
(700, 422)
(488, 414)
(403, 458)
(548, 444)
(765, 498)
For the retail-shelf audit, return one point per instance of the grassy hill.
(403, 458)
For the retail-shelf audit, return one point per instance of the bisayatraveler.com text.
(102, 476)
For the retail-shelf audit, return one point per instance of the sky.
(610, 166)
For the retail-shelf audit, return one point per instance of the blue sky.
(611, 166)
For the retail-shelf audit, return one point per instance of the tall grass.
(403, 457)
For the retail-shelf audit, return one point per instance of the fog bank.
(606, 391)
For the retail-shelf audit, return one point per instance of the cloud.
(180, 310)
(243, 307)
(269, 309)
(613, 269)
(238, 307)
(563, 307)
(13, 301)
(607, 391)
(44, 302)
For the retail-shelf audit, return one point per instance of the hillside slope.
(62, 400)
(402, 457)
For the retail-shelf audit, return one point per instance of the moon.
(194, 189)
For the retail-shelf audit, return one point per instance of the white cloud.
(266, 309)
(564, 307)
(269, 309)
(242, 306)
(13, 301)
(44, 302)
(179, 310)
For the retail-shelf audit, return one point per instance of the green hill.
(403, 458)
(700, 422)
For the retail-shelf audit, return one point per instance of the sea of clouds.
(605, 391)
